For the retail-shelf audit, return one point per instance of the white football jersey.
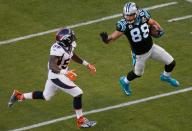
(65, 52)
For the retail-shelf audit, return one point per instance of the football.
(154, 30)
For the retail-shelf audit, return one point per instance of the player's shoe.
(83, 122)
(16, 96)
(169, 80)
(124, 86)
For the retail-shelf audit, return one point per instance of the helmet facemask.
(66, 41)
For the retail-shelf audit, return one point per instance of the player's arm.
(115, 35)
(110, 38)
(89, 66)
(120, 28)
(154, 23)
(77, 59)
(53, 60)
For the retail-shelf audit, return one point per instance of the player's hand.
(104, 37)
(91, 68)
(71, 75)
(160, 32)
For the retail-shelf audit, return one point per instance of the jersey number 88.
(137, 35)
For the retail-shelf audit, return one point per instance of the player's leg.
(125, 82)
(139, 65)
(159, 54)
(49, 91)
(66, 85)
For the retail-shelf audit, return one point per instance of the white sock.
(28, 95)
(167, 73)
(79, 113)
(126, 80)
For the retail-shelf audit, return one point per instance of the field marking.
(180, 18)
(104, 109)
(79, 24)
(189, 1)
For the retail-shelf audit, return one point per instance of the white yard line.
(104, 109)
(189, 1)
(79, 24)
(180, 18)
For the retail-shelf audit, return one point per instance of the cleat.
(16, 96)
(169, 80)
(124, 86)
(83, 122)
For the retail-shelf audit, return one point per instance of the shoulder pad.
(56, 50)
(121, 25)
(144, 13)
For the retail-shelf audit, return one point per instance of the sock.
(38, 95)
(166, 73)
(28, 95)
(79, 113)
(126, 80)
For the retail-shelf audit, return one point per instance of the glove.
(104, 37)
(160, 32)
(91, 68)
(71, 75)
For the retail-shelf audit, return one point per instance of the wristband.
(85, 63)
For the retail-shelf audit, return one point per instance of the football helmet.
(130, 12)
(65, 36)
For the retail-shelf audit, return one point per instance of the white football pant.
(60, 82)
(156, 53)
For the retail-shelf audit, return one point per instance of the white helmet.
(129, 9)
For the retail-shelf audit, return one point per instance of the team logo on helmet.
(65, 36)
(130, 10)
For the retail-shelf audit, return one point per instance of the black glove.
(104, 37)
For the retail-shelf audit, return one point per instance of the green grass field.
(23, 66)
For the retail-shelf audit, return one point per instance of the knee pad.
(77, 93)
(138, 74)
(170, 67)
(138, 71)
(47, 97)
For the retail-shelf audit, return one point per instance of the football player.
(60, 77)
(135, 25)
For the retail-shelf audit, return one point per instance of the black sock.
(77, 102)
(38, 95)
(170, 67)
(131, 76)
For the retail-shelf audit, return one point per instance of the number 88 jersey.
(137, 33)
